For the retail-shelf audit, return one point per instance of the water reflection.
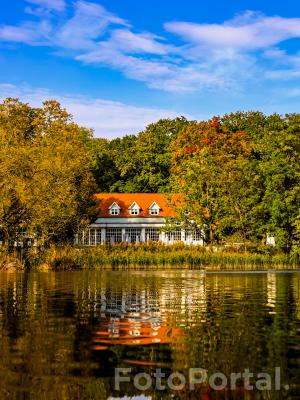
(133, 328)
(63, 334)
(271, 290)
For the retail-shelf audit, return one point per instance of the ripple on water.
(74, 328)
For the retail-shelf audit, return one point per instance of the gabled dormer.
(114, 209)
(154, 209)
(134, 209)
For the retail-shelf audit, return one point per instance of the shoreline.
(152, 256)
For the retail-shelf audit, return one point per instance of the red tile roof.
(165, 202)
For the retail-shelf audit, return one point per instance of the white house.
(136, 217)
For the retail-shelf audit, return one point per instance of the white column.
(123, 234)
(182, 235)
(143, 235)
(162, 236)
(103, 231)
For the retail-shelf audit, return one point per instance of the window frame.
(134, 211)
(152, 234)
(154, 211)
(114, 211)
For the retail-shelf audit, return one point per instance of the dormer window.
(154, 209)
(134, 209)
(114, 209)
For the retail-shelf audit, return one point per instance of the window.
(174, 235)
(154, 209)
(188, 234)
(197, 235)
(193, 235)
(113, 235)
(92, 237)
(89, 237)
(98, 235)
(133, 235)
(114, 209)
(134, 211)
(152, 234)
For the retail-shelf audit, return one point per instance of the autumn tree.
(210, 167)
(46, 184)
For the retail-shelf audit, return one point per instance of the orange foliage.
(205, 141)
(190, 150)
(211, 135)
(215, 122)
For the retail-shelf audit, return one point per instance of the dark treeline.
(239, 174)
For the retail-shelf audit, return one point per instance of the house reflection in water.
(132, 319)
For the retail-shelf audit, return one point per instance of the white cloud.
(129, 42)
(175, 69)
(224, 56)
(158, 74)
(287, 67)
(88, 23)
(249, 31)
(57, 5)
(32, 33)
(108, 118)
(215, 56)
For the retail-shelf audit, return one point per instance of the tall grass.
(11, 262)
(151, 256)
(159, 256)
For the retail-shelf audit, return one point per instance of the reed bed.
(159, 256)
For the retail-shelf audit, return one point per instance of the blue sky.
(118, 65)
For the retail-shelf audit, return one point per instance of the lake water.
(63, 335)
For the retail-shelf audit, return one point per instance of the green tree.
(144, 161)
(123, 153)
(275, 165)
(103, 164)
(280, 167)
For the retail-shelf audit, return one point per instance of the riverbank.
(151, 256)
